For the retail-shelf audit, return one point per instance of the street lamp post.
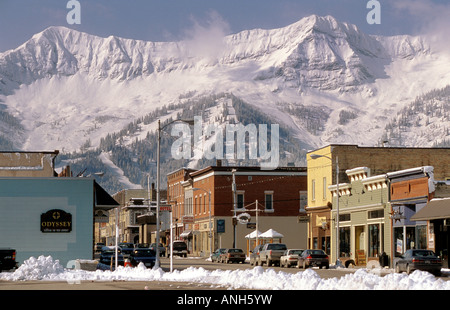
(158, 177)
(233, 171)
(210, 223)
(315, 156)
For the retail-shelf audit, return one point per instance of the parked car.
(127, 248)
(162, 249)
(311, 258)
(290, 257)
(108, 253)
(232, 255)
(98, 247)
(216, 255)
(179, 248)
(254, 255)
(414, 259)
(7, 259)
(270, 253)
(143, 255)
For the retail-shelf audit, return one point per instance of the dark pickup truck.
(7, 259)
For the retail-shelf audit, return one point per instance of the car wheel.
(397, 268)
(408, 269)
(304, 265)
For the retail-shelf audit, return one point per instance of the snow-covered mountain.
(324, 80)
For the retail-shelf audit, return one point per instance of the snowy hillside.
(323, 80)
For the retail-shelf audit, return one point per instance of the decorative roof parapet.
(359, 173)
(375, 182)
(344, 189)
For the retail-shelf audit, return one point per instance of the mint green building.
(364, 217)
(50, 216)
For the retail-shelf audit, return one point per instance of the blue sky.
(168, 20)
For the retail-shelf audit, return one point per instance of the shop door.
(360, 248)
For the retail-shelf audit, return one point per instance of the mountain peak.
(324, 24)
(52, 32)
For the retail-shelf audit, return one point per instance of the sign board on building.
(101, 216)
(165, 208)
(243, 218)
(303, 219)
(188, 219)
(220, 226)
(56, 221)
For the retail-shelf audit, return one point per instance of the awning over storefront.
(186, 233)
(438, 208)
(103, 200)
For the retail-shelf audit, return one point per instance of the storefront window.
(344, 241)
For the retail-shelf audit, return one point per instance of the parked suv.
(254, 255)
(232, 255)
(271, 253)
(162, 249)
(179, 248)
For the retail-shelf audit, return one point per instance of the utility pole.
(234, 207)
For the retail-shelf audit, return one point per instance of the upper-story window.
(268, 200)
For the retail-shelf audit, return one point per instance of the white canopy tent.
(256, 237)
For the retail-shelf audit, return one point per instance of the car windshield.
(235, 251)
(316, 252)
(277, 246)
(110, 249)
(110, 252)
(126, 245)
(179, 245)
(296, 252)
(142, 245)
(423, 253)
(144, 252)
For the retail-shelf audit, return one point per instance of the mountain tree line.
(138, 159)
(432, 105)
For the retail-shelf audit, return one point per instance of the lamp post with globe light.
(158, 180)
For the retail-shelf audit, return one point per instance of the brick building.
(176, 198)
(279, 193)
